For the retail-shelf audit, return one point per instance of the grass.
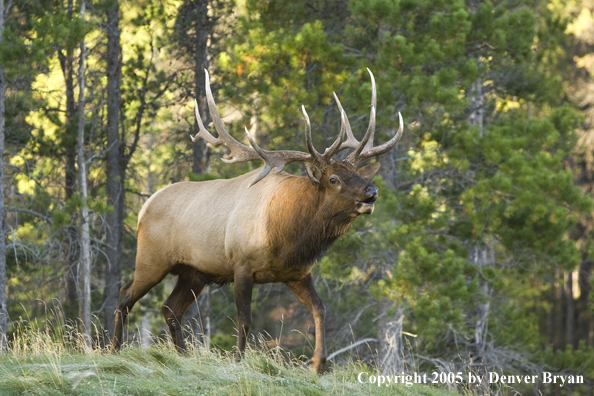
(159, 370)
(40, 363)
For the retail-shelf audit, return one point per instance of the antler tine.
(373, 108)
(279, 159)
(275, 159)
(353, 157)
(386, 146)
(239, 151)
(330, 151)
(203, 133)
(312, 150)
(367, 142)
(267, 168)
(351, 141)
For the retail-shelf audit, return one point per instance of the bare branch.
(32, 212)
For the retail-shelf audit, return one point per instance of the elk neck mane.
(301, 224)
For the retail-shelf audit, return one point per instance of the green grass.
(52, 359)
(52, 370)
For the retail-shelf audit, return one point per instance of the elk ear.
(368, 171)
(314, 173)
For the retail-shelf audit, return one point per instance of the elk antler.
(280, 158)
(373, 151)
(364, 149)
(240, 152)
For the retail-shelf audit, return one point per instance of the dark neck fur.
(300, 226)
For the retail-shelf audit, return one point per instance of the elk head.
(348, 189)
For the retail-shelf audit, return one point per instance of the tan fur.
(216, 225)
(223, 231)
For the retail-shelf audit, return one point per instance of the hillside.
(46, 369)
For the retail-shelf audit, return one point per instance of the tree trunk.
(388, 170)
(202, 27)
(391, 352)
(477, 103)
(3, 293)
(145, 330)
(69, 145)
(569, 309)
(481, 257)
(481, 254)
(205, 315)
(115, 176)
(584, 314)
(85, 256)
(201, 319)
(192, 318)
(198, 317)
(560, 312)
(552, 317)
(389, 326)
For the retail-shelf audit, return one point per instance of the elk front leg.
(243, 300)
(305, 292)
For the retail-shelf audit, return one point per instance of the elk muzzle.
(366, 206)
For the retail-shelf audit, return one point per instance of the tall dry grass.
(51, 357)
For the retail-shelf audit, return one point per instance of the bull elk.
(253, 229)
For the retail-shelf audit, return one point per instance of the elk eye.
(334, 180)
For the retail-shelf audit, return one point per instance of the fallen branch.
(347, 348)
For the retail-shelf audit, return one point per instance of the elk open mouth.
(367, 206)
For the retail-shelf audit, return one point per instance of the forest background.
(479, 255)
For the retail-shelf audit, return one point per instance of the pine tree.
(478, 194)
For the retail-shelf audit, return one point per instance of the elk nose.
(370, 193)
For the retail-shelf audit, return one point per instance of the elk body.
(253, 229)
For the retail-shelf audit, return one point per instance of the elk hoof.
(319, 367)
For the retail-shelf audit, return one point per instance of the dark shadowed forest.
(479, 256)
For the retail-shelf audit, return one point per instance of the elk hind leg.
(130, 293)
(183, 295)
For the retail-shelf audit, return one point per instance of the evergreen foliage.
(481, 238)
